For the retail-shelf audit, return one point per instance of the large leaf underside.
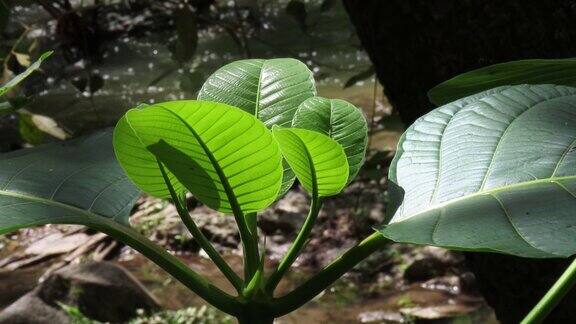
(492, 172)
(77, 181)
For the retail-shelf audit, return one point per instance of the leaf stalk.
(560, 288)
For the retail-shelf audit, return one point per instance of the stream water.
(131, 70)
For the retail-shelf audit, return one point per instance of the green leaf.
(558, 71)
(28, 129)
(6, 108)
(272, 90)
(318, 161)
(341, 121)
(72, 182)
(17, 79)
(491, 172)
(221, 154)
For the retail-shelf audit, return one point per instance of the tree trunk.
(416, 44)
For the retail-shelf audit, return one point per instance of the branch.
(170, 264)
(328, 275)
(297, 246)
(199, 236)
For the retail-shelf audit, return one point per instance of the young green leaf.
(72, 182)
(17, 79)
(272, 90)
(318, 161)
(341, 121)
(269, 89)
(558, 71)
(492, 172)
(221, 154)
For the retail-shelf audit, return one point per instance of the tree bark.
(416, 44)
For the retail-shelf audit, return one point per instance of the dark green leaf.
(561, 72)
(341, 121)
(72, 182)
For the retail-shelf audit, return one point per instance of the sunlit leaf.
(28, 129)
(341, 121)
(270, 89)
(318, 161)
(224, 156)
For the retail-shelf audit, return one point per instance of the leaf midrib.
(235, 206)
(259, 85)
(553, 180)
(49, 202)
(489, 170)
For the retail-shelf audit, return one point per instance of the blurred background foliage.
(114, 55)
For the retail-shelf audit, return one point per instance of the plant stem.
(560, 288)
(180, 203)
(328, 275)
(249, 244)
(170, 264)
(296, 247)
(209, 248)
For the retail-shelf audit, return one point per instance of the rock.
(30, 309)
(435, 312)
(424, 269)
(450, 284)
(381, 317)
(217, 227)
(57, 243)
(432, 262)
(286, 216)
(100, 290)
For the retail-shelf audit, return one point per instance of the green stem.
(249, 244)
(209, 248)
(170, 264)
(296, 247)
(328, 275)
(180, 203)
(560, 288)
